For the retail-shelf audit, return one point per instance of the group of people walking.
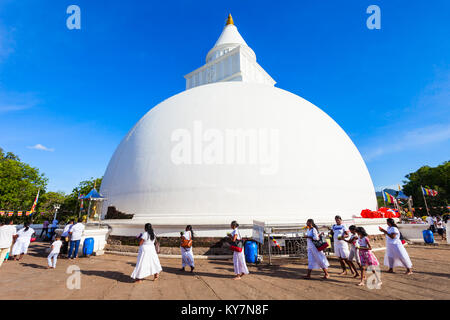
(15, 243)
(12, 242)
(148, 263)
(360, 250)
(359, 254)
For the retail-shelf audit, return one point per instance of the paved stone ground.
(107, 277)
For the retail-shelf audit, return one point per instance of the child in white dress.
(187, 256)
(240, 267)
(353, 254)
(20, 247)
(316, 258)
(56, 247)
(396, 255)
(147, 261)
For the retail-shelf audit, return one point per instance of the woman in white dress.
(23, 240)
(187, 256)
(316, 258)
(240, 267)
(396, 255)
(147, 261)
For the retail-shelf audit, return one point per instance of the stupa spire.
(230, 20)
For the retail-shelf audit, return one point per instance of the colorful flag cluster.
(429, 192)
(19, 213)
(275, 243)
(389, 198)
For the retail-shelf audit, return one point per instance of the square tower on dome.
(231, 59)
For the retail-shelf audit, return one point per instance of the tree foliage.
(437, 178)
(19, 183)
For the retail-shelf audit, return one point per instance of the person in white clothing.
(147, 263)
(56, 247)
(7, 235)
(432, 223)
(316, 258)
(240, 267)
(75, 237)
(440, 227)
(23, 240)
(65, 237)
(340, 232)
(187, 256)
(396, 255)
(354, 254)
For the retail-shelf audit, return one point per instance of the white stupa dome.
(180, 165)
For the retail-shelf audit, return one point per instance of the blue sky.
(73, 94)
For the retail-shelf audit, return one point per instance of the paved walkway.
(107, 277)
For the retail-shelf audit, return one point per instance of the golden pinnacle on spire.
(230, 20)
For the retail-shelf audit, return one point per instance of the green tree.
(47, 204)
(437, 178)
(71, 206)
(19, 183)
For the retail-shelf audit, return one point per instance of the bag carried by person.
(320, 244)
(186, 243)
(237, 245)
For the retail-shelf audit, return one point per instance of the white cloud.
(11, 107)
(402, 141)
(41, 147)
(11, 101)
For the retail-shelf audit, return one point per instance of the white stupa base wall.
(134, 227)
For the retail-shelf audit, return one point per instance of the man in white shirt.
(7, 233)
(65, 237)
(340, 232)
(75, 237)
(432, 223)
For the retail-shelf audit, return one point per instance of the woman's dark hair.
(148, 227)
(362, 231)
(391, 222)
(234, 223)
(26, 226)
(352, 228)
(313, 224)
(189, 228)
(338, 217)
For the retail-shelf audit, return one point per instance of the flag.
(28, 213)
(10, 213)
(388, 198)
(2, 213)
(35, 202)
(80, 196)
(19, 213)
(429, 192)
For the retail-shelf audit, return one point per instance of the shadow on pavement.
(195, 273)
(113, 275)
